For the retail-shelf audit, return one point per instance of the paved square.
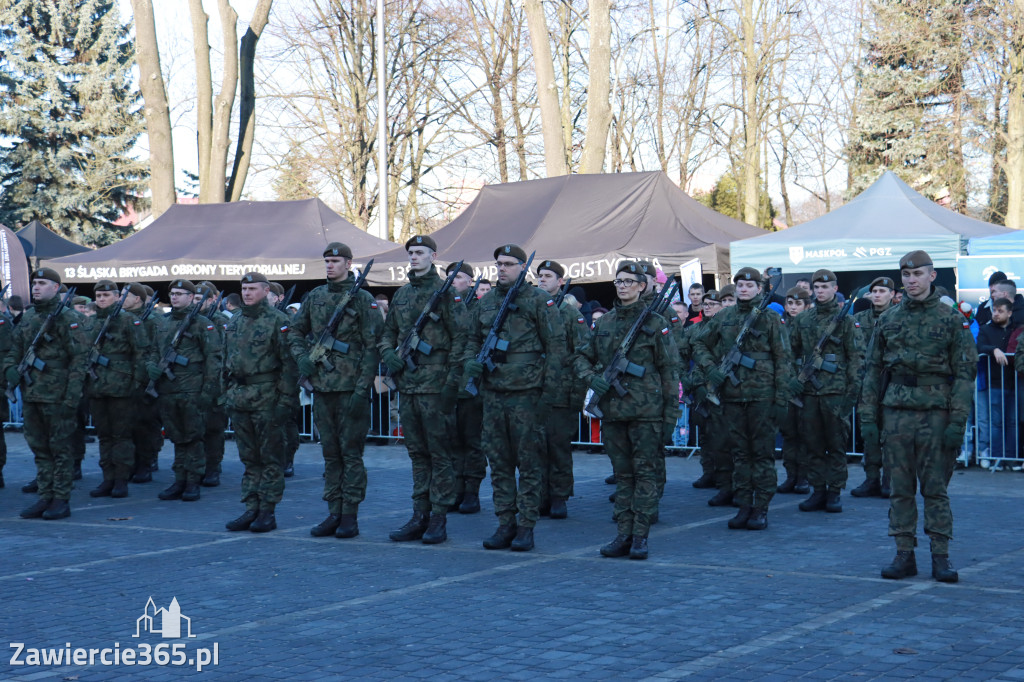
(801, 600)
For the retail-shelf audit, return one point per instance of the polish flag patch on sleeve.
(74, 325)
(209, 327)
(966, 326)
(373, 305)
(581, 320)
(458, 299)
(284, 328)
(856, 324)
(137, 322)
(550, 302)
(664, 331)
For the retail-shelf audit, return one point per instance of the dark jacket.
(990, 337)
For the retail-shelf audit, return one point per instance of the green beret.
(728, 290)
(799, 293)
(421, 240)
(553, 267)
(183, 284)
(823, 275)
(209, 288)
(277, 288)
(882, 282)
(337, 250)
(915, 259)
(646, 267)
(81, 300)
(712, 295)
(466, 268)
(632, 267)
(747, 274)
(254, 277)
(105, 285)
(137, 289)
(149, 290)
(46, 273)
(511, 250)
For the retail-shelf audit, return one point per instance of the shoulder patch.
(664, 331)
(284, 328)
(3, 321)
(550, 302)
(74, 325)
(581, 320)
(458, 299)
(209, 327)
(674, 319)
(137, 322)
(373, 305)
(225, 325)
(966, 326)
(856, 324)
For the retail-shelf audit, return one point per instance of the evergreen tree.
(70, 117)
(724, 198)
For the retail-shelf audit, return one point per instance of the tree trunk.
(247, 105)
(223, 105)
(599, 110)
(1015, 138)
(751, 119)
(157, 112)
(204, 93)
(547, 93)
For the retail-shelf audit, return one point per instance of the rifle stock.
(170, 356)
(30, 360)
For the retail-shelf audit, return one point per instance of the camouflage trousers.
(261, 450)
(213, 437)
(872, 461)
(912, 446)
(185, 425)
(78, 435)
(112, 419)
(291, 430)
(751, 442)
(707, 457)
(794, 454)
(713, 440)
(634, 448)
(147, 434)
(342, 438)
(514, 439)
(561, 424)
(48, 431)
(825, 435)
(468, 460)
(428, 437)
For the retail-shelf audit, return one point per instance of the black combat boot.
(470, 502)
(76, 472)
(242, 522)
(31, 487)
(413, 528)
(706, 480)
(36, 510)
(58, 509)
(437, 530)
(816, 502)
(618, 547)
(348, 528)
(142, 474)
(787, 486)
(611, 498)
(2, 483)
(289, 469)
(212, 478)
(102, 490)
(265, 521)
(558, 508)
(885, 490)
(545, 508)
(457, 503)
(502, 537)
(173, 492)
(833, 502)
(191, 491)
(758, 519)
(120, 488)
(871, 487)
(639, 548)
(942, 570)
(903, 566)
(326, 527)
(741, 518)
(723, 498)
(802, 487)
(523, 541)
(610, 479)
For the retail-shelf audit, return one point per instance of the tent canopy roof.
(40, 241)
(1009, 243)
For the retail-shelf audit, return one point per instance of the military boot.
(816, 502)
(502, 537)
(523, 541)
(265, 521)
(558, 508)
(2, 484)
(173, 492)
(618, 547)
(289, 469)
(212, 478)
(31, 487)
(885, 490)
(942, 570)
(787, 486)
(120, 488)
(741, 518)
(611, 498)
(723, 498)
(610, 479)
(706, 480)
(833, 501)
(36, 510)
(470, 503)
(545, 508)
(58, 509)
(871, 487)
(102, 490)
(242, 522)
(903, 566)
(437, 530)
(142, 474)
(413, 528)
(639, 548)
(326, 527)
(348, 528)
(191, 491)
(758, 519)
(802, 487)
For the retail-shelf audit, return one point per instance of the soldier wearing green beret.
(54, 394)
(794, 454)
(917, 395)
(6, 340)
(147, 429)
(217, 415)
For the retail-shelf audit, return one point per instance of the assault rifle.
(471, 296)
(620, 364)
(817, 360)
(560, 296)
(282, 304)
(666, 300)
(95, 357)
(30, 360)
(326, 341)
(171, 356)
(148, 310)
(411, 341)
(492, 343)
(735, 357)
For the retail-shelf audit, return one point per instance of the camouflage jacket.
(655, 395)
(201, 345)
(358, 327)
(446, 335)
(843, 349)
(258, 365)
(535, 335)
(570, 388)
(126, 350)
(63, 352)
(769, 379)
(924, 342)
(866, 321)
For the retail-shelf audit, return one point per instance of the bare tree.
(547, 91)
(599, 113)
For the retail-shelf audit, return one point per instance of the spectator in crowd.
(16, 307)
(1007, 289)
(596, 313)
(984, 312)
(232, 302)
(694, 312)
(382, 304)
(994, 342)
(485, 286)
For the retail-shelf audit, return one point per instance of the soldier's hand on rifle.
(390, 358)
(668, 431)
(473, 369)
(869, 432)
(153, 370)
(307, 367)
(13, 377)
(716, 377)
(700, 394)
(599, 385)
(796, 387)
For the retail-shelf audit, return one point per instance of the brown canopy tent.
(587, 222)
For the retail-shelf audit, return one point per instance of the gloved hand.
(700, 394)
(780, 412)
(449, 398)
(12, 376)
(687, 382)
(153, 370)
(473, 369)
(869, 432)
(796, 387)
(668, 430)
(307, 367)
(394, 363)
(71, 400)
(357, 405)
(716, 377)
(599, 385)
(953, 437)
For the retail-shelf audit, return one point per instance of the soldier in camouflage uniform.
(876, 481)
(6, 340)
(186, 399)
(794, 454)
(515, 394)
(290, 424)
(825, 416)
(147, 430)
(918, 387)
(634, 425)
(693, 384)
(561, 421)
(52, 398)
(341, 404)
(217, 417)
(758, 404)
(468, 458)
(261, 374)
(429, 393)
(111, 384)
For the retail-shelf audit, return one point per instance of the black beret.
(552, 266)
(46, 273)
(915, 259)
(337, 249)
(511, 250)
(183, 284)
(421, 240)
(105, 285)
